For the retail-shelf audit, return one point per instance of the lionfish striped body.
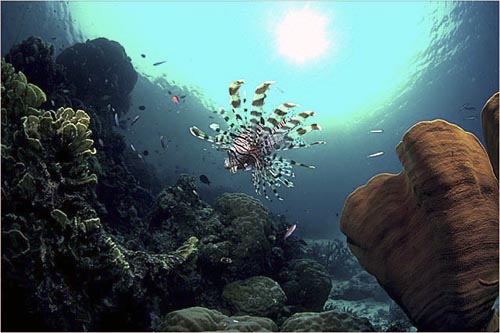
(251, 141)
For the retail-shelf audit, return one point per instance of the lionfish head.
(232, 163)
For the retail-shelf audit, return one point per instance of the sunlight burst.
(301, 35)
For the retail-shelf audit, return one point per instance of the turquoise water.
(359, 65)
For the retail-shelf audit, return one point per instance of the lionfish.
(251, 141)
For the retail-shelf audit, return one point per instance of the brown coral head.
(430, 233)
(489, 118)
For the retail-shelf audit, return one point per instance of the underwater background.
(369, 71)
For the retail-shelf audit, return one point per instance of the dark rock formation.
(100, 71)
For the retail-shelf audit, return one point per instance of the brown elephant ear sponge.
(489, 118)
(430, 234)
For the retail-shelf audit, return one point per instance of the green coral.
(140, 263)
(67, 128)
(60, 217)
(62, 135)
(19, 96)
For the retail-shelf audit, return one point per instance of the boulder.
(306, 283)
(199, 319)
(329, 321)
(258, 296)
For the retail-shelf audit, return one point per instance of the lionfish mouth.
(252, 140)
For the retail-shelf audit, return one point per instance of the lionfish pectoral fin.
(277, 119)
(300, 144)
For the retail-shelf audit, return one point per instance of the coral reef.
(85, 246)
(257, 296)
(330, 321)
(61, 270)
(122, 181)
(237, 239)
(430, 233)
(489, 118)
(199, 319)
(306, 283)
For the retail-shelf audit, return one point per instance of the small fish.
(467, 107)
(140, 156)
(277, 89)
(175, 99)
(289, 231)
(105, 97)
(244, 97)
(159, 63)
(101, 143)
(337, 214)
(380, 153)
(65, 91)
(145, 153)
(377, 131)
(132, 147)
(226, 260)
(169, 92)
(143, 55)
(204, 179)
(470, 118)
(54, 38)
(162, 142)
(135, 120)
(183, 96)
(117, 123)
(142, 107)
